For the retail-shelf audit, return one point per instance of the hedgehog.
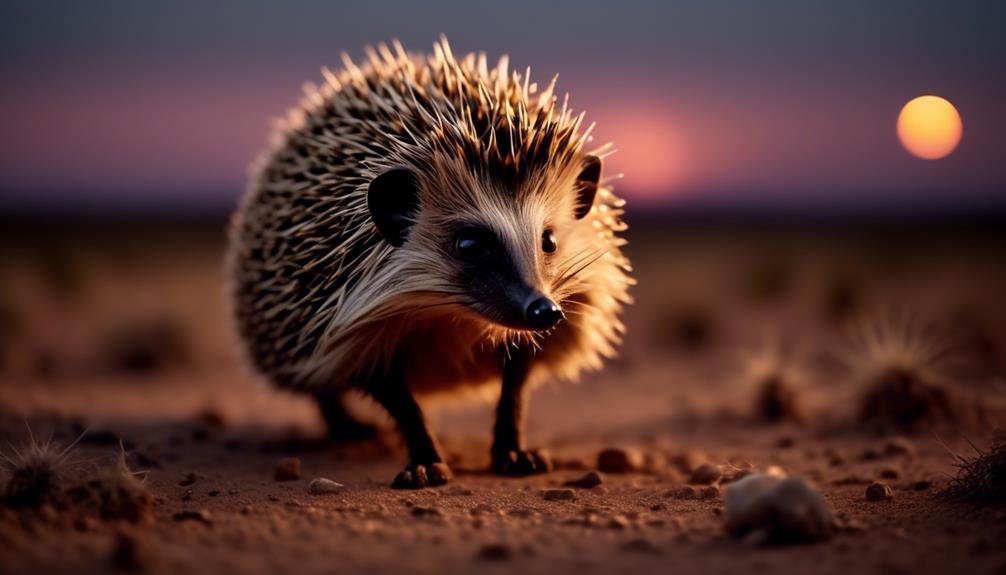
(425, 225)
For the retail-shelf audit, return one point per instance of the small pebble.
(705, 474)
(879, 491)
(323, 486)
(189, 479)
(922, 485)
(710, 492)
(559, 495)
(588, 481)
(619, 460)
(288, 469)
(686, 492)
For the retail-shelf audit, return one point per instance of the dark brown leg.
(426, 468)
(509, 455)
(342, 426)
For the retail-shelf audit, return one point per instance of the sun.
(929, 127)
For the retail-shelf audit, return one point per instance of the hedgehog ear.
(586, 186)
(393, 201)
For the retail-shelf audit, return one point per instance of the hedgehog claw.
(522, 462)
(418, 476)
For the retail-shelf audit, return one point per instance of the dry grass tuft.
(34, 470)
(777, 379)
(114, 493)
(981, 478)
(902, 367)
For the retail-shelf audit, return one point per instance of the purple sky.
(788, 104)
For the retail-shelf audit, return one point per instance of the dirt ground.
(124, 334)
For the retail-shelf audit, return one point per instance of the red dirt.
(217, 507)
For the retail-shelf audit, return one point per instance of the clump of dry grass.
(777, 378)
(39, 478)
(35, 471)
(114, 493)
(902, 367)
(981, 478)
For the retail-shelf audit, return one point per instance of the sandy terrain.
(125, 335)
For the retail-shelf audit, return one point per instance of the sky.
(719, 104)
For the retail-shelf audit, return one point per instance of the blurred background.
(769, 193)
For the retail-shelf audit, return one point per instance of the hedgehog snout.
(541, 313)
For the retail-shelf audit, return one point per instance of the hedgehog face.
(498, 250)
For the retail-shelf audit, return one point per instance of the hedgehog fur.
(320, 299)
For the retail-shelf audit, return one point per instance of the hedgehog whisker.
(572, 275)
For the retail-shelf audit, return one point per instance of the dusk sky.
(778, 104)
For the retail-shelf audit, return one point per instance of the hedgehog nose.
(542, 313)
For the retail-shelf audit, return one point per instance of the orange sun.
(929, 127)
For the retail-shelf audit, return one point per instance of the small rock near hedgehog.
(427, 224)
(587, 481)
(287, 469)
(323, 486)
(619, 460)
(769, 509)
(879, 491)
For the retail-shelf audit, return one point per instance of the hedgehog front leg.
(426, 468)
(509, 455)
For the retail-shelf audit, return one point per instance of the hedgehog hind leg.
(342, 426)
(426, 467)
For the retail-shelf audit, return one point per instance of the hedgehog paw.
(522, 462)
(418, 476)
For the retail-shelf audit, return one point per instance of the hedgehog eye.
(472, 243)
(548, 244)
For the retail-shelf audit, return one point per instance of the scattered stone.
(685, 492)
(189, 479)
(879, 491)
(201, 516)
(710, 492)
(922, 485)
(495, 552)
(588, 481)
(619, 460)
(705, 474)
(559, 495)
(768, 509)
(641, 546)
(288, 469)
(323, 486)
